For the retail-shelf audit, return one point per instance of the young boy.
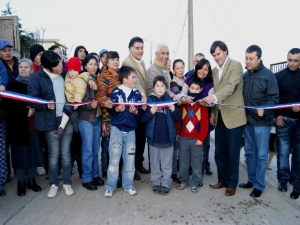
(122, 138)
(161, 136)
(75, 88)
(192, 131)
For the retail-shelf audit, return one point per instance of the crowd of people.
(94, 105)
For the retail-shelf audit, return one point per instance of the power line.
(181, 31)
(219, 26)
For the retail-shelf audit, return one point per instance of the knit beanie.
(74, 64)
(35, 49)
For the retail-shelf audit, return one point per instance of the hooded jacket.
(260, 88)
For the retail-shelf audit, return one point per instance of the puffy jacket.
(41, 86)
(260, 88)
(149, 118)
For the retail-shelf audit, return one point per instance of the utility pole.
(191, 36)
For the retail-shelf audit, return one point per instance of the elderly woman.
(26, 152)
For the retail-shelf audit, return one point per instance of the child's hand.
(153, 109)
(109, 104)
(94, 104)
(177, 136)
(133, 109)
(51, 105)
(75, 107)
(31, 111)
(172, 108)
(144, 107)
(198, 143)
(2, 88)
(212, 119)
(120, 108)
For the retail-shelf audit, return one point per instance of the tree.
(7, 11)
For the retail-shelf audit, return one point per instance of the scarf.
(23, 79)
(178, 81)
(164, 67)
(194, 96)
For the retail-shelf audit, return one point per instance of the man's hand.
(94, 104)
(209, 99)
(212, 119)
(260, 112)
(186, 100)
(279, 121)
(93, 85)
(171, 107)
(51, 105)
(296, 108)
(153, 109)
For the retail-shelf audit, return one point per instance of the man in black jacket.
(288, 120)
(260, 88)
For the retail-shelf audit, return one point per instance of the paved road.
(179, 207)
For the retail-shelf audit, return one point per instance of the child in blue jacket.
(122, 136)
(161, 136)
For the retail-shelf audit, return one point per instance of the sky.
(271, 24)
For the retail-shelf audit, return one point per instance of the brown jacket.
(141, 79)
(229, 90)
(75, 88)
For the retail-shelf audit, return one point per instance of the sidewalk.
(208, 206)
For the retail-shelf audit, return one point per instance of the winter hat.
(103, 51)
(35, 49)
(79, 47)
(74, 64)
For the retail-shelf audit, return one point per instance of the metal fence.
(276, 67)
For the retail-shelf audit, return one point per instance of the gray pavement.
(208, 206)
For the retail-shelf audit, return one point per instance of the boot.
(21, 188)
(32, 185)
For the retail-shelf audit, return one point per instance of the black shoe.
(31, 184)
(119, 183)
(291, 181)
(58, 133)
(136, 176)
(2, 193)
(256, 193)
(294, 195)
(21, 191)
(98, 181)
(208, 172)
(282, 187)
(142, 170)
(104, 174)
(91, 186)
(246, 185)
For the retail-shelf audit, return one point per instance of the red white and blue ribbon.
(27, 98)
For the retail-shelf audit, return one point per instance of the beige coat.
(141, 80)
(229, 90)
(75, 88)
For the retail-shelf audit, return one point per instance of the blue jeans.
(60, 147)
(121, 143)
(257, 150)
(287, 136)
(90, 134)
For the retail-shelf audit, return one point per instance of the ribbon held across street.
(27, 98)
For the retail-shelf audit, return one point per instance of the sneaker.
(194, 189)
(164, 190)
(108, 194)
(131, 191)
(52, 192)
(68, 190)
(182, 186)
(156, 189)
(58, 133)
(40, 171)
